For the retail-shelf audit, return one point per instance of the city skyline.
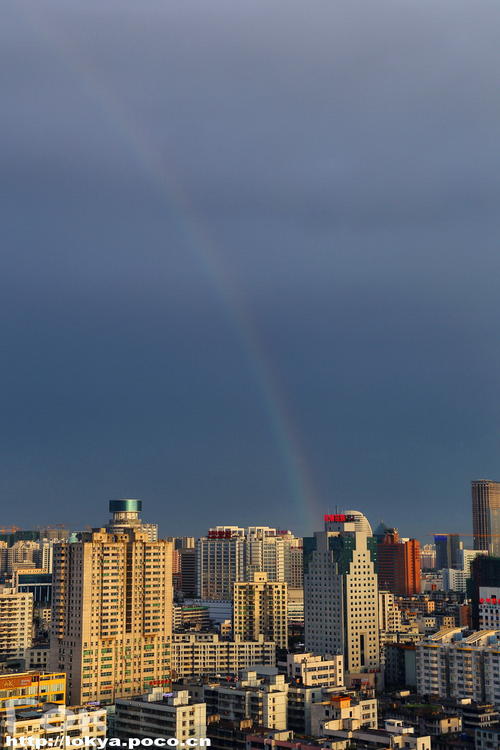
(464, 537)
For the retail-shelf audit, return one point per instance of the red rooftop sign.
(338, 518)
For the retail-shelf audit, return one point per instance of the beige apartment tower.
(112, 609)
(486, 515)
(16, 623)
(260, 607)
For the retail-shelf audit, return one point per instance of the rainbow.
(303, 495)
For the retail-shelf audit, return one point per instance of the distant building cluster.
(252, 637)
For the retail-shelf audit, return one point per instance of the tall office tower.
(398, 564)
(3, 558)
(448, 551)
(485, 574)
(428, 557)
(185, 562)
(296, 579)
(16, 623)
(341, 592)
(486, 515)
(176, 569)
(112, 609)
(231, 553)
(260, 607)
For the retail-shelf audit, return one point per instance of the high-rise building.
(260, 607)
(398, 564)
(232, 553)
(112, 609)
(428, 557)
(22, 554)
(485, 573)
(486, 515)
(184, 570)
(220, 558)
(16, 623)
(341, 592)
(448, 551)
(468, 555)
(276, 552)
(388, 612)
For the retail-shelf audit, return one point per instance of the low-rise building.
(157, 714)
(208, 655)
(31, 689)
(53, 723)
(487, 738)
(343, 713)
(395, 734)
(225, 734)
(261, 698)
(316, 670)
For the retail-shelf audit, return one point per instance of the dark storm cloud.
(330, 168)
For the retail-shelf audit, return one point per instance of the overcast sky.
(250, 260)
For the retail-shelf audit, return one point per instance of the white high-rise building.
(220, 560)
(341, 592)
(232, 553)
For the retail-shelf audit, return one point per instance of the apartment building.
(389, 613)
(112, 609)
(53, 725)
(341, 713)
(454, 663)
(263, 699)
(233, 553)
(260, 607)
(16, 623)
(157, 714)
(316, 670)
(207, 655)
